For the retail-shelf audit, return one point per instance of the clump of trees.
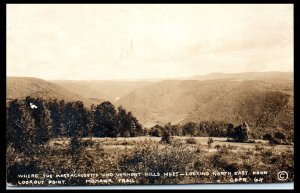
(239, 133)
(276, 138)
(201, 129)
(52, 118)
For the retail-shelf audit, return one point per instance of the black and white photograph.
(149, 94)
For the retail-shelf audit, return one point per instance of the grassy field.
(149, 155)
(130, 142)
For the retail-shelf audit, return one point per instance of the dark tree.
(268, 137)
(189, 128)
(203, 129)
(42, 119)
(123, 122)
(135, 127)
(279, 135)
(56, 115)
(105, 124)
(175, 130)
(76, 144)
(77, 119)
(156, 131)
(20, 126)
(230, 130)
(241, 133)
(128, 125)
(166, 137)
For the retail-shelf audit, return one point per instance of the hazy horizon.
(147, 42)
(152, 79)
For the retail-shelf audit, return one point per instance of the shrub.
(240, 133)
(268, 137)
(191, 141)
(218, 146)
(279, 135)
(209, 142)
(155, 133)
(267, 153)
(157, 158)
(258, 147)
(278, 139)
(75, 145)
(166, 137)
(25, 167)
(231, 147)
(88, 143)
(231, 167)
(223, 150)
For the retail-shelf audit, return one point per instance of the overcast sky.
(147, 41)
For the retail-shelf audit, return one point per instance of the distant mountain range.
(263, 76)
(101, 89)
(218, 96)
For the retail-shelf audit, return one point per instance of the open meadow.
(150, 160)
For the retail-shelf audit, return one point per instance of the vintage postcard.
(149, 94)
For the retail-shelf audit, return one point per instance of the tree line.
(201, 129)
(35, 121)
(237, 133)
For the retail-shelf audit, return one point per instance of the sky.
(109, 42)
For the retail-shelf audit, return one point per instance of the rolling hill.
(230, 97)
(102, 89)
(179, 101)
(20, 87)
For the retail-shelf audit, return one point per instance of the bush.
(209, 142)
(157, 158)
(279, 135)
(240, 133)
(191, 141)
(88, 143)
(25, 167)
(268, 137)
(267, 153)
(166, 137)
(76, 145)
(231, 167)
(155, 133)
(223, 150)
(258, 147)
(278, 139)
